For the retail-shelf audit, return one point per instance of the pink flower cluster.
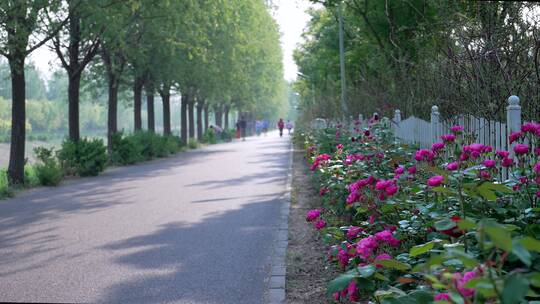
(461, 280)
(474, 151)
(351, 292)
(366, 246)
(424, 155)
(387, 188)
(354, 188)
(313, 215)
(318, 160)
(351, 158)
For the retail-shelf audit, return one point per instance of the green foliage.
(48, 170)
(5, 190)
(209, 137)
(405, 55)
(193, 143)
(140, 146)
(86, 157)
(397, 236)
(31, 177)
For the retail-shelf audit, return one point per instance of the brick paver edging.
(278, 270)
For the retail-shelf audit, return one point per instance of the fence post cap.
(513, 100)
(397, 111)
(434, 109)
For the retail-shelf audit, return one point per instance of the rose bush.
(412, 225)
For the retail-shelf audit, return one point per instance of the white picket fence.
(417, 131)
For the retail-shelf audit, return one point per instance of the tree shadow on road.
(225, 258)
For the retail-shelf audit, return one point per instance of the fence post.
(434, 123)
(513, 119)
(361, 120)
(396, 124)
(513, 114)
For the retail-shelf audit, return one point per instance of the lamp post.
(344, 107)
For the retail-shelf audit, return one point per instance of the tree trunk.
(183, 118)
(191, 109)
(18, 120)
(137, 102)
(226, 118)
(219, 115)
(166, 98)
(150, 108)
(112, 126)
(73, 107)
(206, 117)
(200, 106)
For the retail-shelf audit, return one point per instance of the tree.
(24, 26)
(76, 45)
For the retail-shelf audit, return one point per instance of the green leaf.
(394, 264)
(499, 236)
(515, 289)
(466, 224)
(521, 253)
(341, 281)
(421, 249)
(530, 243)
(486, 192)
(444, 190)
(366, 271)
(444, 224)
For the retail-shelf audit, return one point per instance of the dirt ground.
(308, 273)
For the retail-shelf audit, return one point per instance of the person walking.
(280, 126)
(243, 125)
(289, 125)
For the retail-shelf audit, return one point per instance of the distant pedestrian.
(289, 125)
(280, 126)
(238, 133)
(265, 127)
(258, 127)
(217, 130)
(243, 125)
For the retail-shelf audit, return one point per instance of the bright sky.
(292, 19)
(291, 16)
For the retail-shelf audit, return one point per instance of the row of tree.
(218, 54)
(464, 56)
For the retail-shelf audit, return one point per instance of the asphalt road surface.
(197, 227)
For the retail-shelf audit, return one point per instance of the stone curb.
(276, 293)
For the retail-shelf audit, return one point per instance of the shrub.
(417, 226)
(125, 150)
(86, 157)
(193, 143)
(140, 146)
(31, 177)
(5, 190)
(209, 137)
(47, 170)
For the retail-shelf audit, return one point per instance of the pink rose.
(313, 215)
(514, 136)
(489, 163)
(435, 181)
(521, 149)
(452, 166)
(457, 129)
(507, 162)
(448, 137)
(399, 170)
(437, 146)
(442, 297)
(502, 153)
(320, 224)
(536, 168)
(412, 170)
(354, 231)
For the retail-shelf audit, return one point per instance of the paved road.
(194, 228)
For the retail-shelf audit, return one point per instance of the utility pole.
(344, 107)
